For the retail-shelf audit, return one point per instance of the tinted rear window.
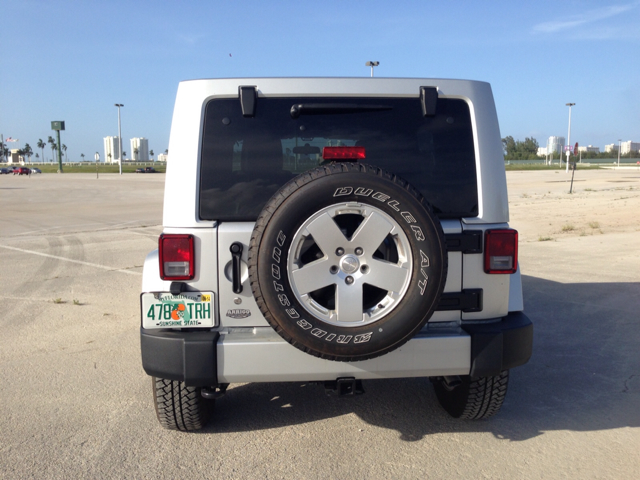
(245, 160)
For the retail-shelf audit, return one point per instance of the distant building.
(15, 157)
(162, 157)
(611, 148)
(542, 151)
(555, 145)
(589, 148)
(627, 147)
(111, 149)
(142, 146)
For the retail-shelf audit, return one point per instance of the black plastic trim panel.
(188, 357)
(501, 345)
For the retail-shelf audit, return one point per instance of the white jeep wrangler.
(333, 230)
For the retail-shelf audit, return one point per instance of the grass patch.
(76, 302)
(568, 228)
(58, 300)
(594, 224)
(544, 239)
(102, 168)
(537, 166)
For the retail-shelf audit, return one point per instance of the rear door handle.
(236, 270)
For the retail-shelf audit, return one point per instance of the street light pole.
(372, 64)
(569, 136)
(619, 140)
(119, 137)
(97, 157)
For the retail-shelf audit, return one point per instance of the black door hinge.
(469, 241)
(468, 300)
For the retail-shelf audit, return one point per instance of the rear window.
(246, 160)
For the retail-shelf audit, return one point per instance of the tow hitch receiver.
(344, 386)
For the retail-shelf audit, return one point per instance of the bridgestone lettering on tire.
(347, 262)
(179, 407)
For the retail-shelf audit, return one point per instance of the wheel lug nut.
(340, 251)
(359, 251)
(333, 269)
(349, 280)
(364, 268)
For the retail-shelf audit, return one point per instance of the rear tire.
(179, 407)
(475, 398)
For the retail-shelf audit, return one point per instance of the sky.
(73, 60)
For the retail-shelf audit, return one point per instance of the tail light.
(501, 251)
(343, 153)
(177, 257)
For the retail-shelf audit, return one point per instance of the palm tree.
(41, 146)
(109, 155)
(135, 154)
(124, 154)
(64, 149)
(51, 141)
(151, 154)
(82, 155)
(28, 151)
(37, 156)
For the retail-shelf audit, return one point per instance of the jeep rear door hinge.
(428, 100)
(248, 100)
(469, 241)
(468, 300)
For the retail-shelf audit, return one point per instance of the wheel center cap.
(349, 264)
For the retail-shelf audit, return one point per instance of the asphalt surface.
(76, 402)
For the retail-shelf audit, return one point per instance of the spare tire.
(347, 262)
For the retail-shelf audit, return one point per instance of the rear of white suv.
(333, 230)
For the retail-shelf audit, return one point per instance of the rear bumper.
(207, 358)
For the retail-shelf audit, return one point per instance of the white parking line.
(40, 230)
(88, 264)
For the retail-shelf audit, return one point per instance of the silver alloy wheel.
(375, 257)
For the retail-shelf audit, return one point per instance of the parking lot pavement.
(76, 402)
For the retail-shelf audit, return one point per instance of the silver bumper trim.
(261, 355)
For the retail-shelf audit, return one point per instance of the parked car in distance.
(36, 170)
(5, 171)
(21, 171)
(146, 170)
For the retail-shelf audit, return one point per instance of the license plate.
(187, 309)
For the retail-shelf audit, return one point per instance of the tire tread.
(179, 407)
(476, 398)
